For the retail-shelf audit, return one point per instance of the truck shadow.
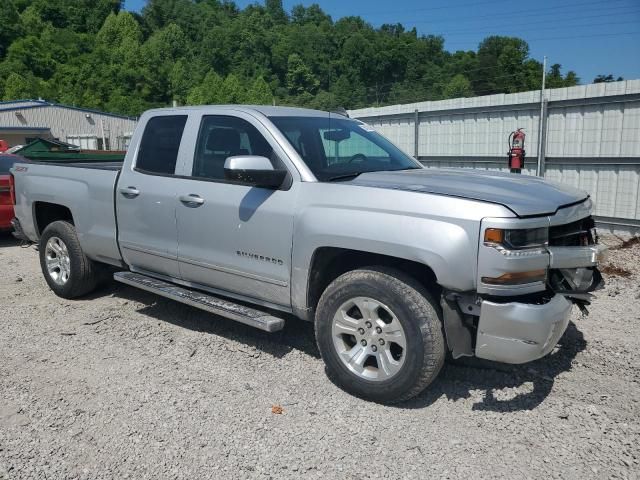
(502, 385)
(8, 240)
(504, 388)
(296, 335)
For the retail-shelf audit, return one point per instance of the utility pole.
(416, 134)
(540, 167)
(104, 138)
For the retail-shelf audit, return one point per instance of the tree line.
(94, 54)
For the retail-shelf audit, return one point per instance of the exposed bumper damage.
(521, 332)
(522, 329)
(573, 272)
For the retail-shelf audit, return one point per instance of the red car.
(6, 200)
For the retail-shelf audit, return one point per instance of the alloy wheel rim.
(58, 261)
(369, 339)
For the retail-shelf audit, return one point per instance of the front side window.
(222, 137)
(340, 148)
(160, 143)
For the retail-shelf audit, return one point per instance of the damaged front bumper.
(517, 332)
(522, 329)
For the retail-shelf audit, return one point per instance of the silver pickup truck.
(262, 214)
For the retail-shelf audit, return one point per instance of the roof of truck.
(267, 110)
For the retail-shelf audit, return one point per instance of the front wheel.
(380, 334)
(67, 270)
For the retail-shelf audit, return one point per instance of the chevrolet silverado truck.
(265, 214)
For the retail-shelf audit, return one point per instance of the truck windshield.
(336, 148)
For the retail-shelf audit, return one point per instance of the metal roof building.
(24, 120)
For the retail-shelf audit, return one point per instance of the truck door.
(232, 237)
(146, 198)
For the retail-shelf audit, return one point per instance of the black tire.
(417, 312)
(84, 273)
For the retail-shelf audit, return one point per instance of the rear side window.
(158, 151)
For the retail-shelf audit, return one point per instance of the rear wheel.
(66, 269)
(380, 335)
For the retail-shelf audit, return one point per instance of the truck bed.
(86, 189)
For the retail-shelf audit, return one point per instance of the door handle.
(192, 200)
(129, 192)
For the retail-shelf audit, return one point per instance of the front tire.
(380, 334)
(66, 269)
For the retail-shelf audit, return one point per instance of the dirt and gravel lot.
(127, 385)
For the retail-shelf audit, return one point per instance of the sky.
(587, 36)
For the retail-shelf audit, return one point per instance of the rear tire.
(66, 269)
(380, 334)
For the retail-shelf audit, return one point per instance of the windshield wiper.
(344, 176)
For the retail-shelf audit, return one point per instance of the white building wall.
(592, 137)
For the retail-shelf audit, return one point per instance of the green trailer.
(54, 151)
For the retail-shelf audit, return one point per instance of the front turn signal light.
(517, 278)
(494, 235)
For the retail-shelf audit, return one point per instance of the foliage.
(92, 53)
(606, 79)
(458, 86)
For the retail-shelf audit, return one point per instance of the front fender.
(448, 248)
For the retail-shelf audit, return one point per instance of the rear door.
(146, 198)
(235, 238)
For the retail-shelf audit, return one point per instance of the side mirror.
(253, 170)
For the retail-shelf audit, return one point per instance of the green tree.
(16, 86)
(500, 61)
(275, 10)
(458, 86)
(300, 78)
(120, 36)
(606, 79)
(9, 25)
(180, 81)
(92, 54)
(232, 90)
(259, 93)
(29, 55)
(78, 15)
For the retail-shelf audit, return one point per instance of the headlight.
(516, 239)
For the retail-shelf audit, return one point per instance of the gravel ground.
(127, 385)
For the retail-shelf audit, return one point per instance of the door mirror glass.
(253, 170)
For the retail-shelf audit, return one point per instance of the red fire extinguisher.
(516, 151)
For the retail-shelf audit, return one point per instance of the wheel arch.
(45, 213)
(328, 263)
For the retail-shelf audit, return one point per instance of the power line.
(557, 21)
(452, 7)
(470, 33)
(554, 16)
(444, 7)
(401, 91)
(594, 35)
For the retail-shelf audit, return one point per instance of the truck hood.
(525, 195)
